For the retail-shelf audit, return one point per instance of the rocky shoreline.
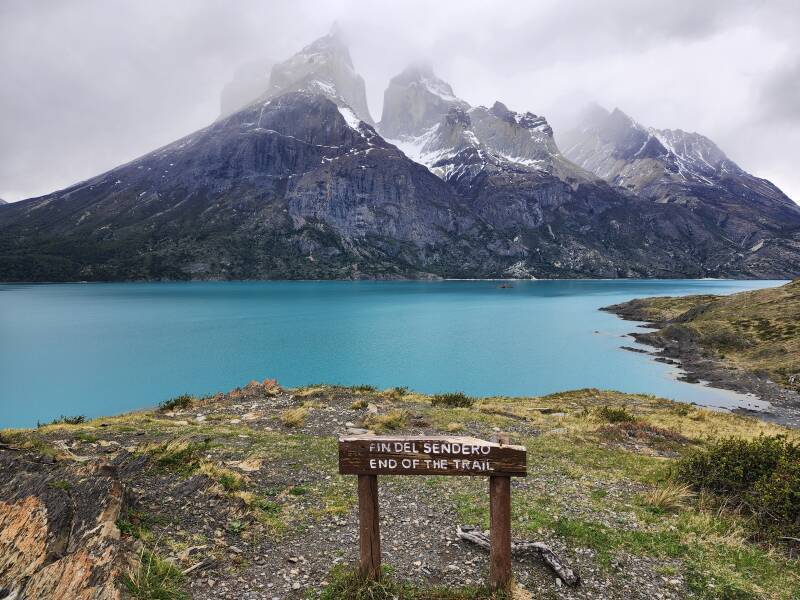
(680, 347)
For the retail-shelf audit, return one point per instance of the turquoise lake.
(100, 349)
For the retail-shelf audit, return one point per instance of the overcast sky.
(86, 85)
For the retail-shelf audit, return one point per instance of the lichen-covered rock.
(58, 533)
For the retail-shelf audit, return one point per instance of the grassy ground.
(757, 331)
(599, 491)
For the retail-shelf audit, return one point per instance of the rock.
(58, 533)
(357, 431)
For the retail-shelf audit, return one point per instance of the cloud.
(91, 84)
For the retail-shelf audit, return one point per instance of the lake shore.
(700, 352)
(237, 495)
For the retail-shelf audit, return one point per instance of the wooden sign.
(369, 456)
(372, 455)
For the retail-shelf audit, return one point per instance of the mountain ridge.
(300, 184)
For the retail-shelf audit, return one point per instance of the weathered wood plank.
(500, 526)
(369, 527)
(429, 455)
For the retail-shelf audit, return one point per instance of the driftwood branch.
(521, 548)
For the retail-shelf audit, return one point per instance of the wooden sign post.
(369, 456)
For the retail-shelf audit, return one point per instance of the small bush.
(615, 414)
(359, 404)
(726, 338)
(762, 476)
(453, 400)
(236, 526)
(268, 506)
(65, 420)
(681, 409)
(393, 420)
(368, 389)
(453, 427)
(61, 484)
(298, 490)
(179, 402)
(642, 430)
(294, 417)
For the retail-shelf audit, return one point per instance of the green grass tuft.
(345, 582)
(155, 579)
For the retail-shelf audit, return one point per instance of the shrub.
(298, 490)
(294, 417)
(183, 401)
(368, 389)
(615, 415)
(726, 338)
(358, 404)
(65, 420)
(643, 431)
(761, 475)
(453, 400)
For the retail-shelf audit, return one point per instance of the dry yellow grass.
(391, 421)
(295, 417)
(669, 496)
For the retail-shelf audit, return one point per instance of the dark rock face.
(298, 184)
(571, 222)
(284, 188)
(672, 166)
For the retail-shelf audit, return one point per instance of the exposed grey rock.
(323, 67)
(509, 168)
(415, 101)
(287, 187)
(674, 166)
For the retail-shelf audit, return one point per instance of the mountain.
(323, 67)
(570, 219)
(674, 166)
(300, 184)
(3, 201)
(295, 185)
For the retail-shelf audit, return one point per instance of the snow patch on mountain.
(350, 117)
